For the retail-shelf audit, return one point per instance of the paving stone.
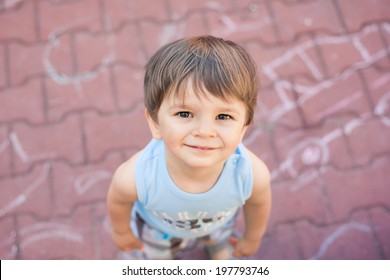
(54, 58)
(262, 56)
(346, 53)
(122, 11)
(182, 9)
(371, 42)
(20, 21)
(378, 84)
(94, 51)
(90, 93)
(297, 199)
(62, 238)
(28, 193)
(243, 25)
(58, 58)
(259, 141)
(130, 47)
(32, 144)
(358, 13)
(280, 63)
(364, 141)
(384, 32)
(304, 151)
(58, 17)
(71, 97)
(105, 247)
(8, 243)
(279, 245)
(336, 96)
(306, 16)
(108, 133)
(351, 240)
(277, 107)
(3, 66)
(5, 153)
(128, 86)
(156, 34)
(27, 102)
(78, 185)
(352, 189)
(27, 61)
(380, 218)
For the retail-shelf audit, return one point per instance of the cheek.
(235, 132)
(171, 134)
(234, 139)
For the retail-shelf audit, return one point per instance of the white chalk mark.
(383, 109)
(310, 65)
(360, 47)
(169, 32)
(229, 23)
(308, 92)
(214, 5)
(380, 82)
(305, 178)
(10, 3)
(356, 40)
(22, 198)
(52, 72)
(311, 155)
(38, 232)
(11, 254)
(308, 22)
(23, 155)
(386, 27)
(338, 233)
(353, 124)
(88, 180)
(231, 27)
(107, 24)
(18, 148)
(8, 242)
(269, 72)
(342, 103)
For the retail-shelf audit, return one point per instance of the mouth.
(201, 148)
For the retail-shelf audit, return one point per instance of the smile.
(201, 148)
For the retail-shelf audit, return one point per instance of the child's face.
(199, 131)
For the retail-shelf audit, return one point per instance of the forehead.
(190, 96)
(191, 91)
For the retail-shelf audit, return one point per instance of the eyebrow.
(231, 110)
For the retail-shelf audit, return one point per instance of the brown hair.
(221, 67)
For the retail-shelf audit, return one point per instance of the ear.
(153, 125)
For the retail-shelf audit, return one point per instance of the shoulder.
(123, 182)
(261, 176)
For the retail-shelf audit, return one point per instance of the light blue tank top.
(184, 215)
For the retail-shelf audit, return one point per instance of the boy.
(190, 181)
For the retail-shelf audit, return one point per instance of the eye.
(184, 115)
(224, 117)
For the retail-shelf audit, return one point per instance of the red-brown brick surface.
(71, 110)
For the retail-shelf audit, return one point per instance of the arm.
(256, 210)
(121, 196)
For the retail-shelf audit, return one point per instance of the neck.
(194, 180)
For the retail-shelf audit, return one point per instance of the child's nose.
(204, 128)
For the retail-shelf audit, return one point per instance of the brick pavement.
(71, 111)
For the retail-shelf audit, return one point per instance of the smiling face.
(199, 130)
